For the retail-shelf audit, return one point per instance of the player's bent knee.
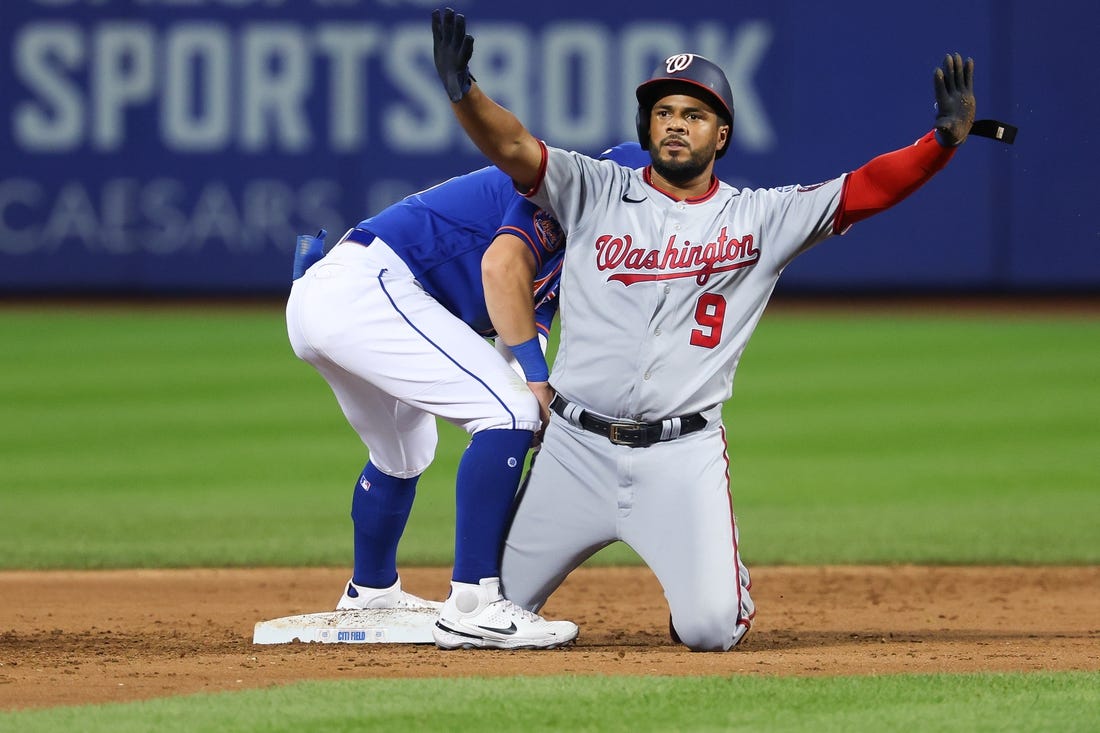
(707, 643)
(520, 412)
(403, 472)
(403, 460)
(708, 631)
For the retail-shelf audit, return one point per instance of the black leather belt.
(633, 434)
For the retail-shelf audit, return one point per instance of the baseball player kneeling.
(667, 272)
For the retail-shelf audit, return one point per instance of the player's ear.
(723, 136)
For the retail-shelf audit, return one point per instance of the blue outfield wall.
(180, 145)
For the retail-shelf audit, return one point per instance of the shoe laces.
(519, 611)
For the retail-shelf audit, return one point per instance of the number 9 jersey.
(669, 291)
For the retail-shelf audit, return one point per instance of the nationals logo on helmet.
(679, 62)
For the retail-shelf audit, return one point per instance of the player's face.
(684, 133)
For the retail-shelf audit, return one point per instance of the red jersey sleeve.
(889, 178)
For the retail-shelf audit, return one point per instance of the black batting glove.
(453, 49)
(955, 103)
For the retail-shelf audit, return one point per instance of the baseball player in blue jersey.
(395, 319)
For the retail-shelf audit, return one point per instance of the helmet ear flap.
(641, 123)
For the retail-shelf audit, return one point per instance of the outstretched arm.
(493, 129)
(887, 179)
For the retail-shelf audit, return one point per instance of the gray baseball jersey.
(658, 300)
(668, 291)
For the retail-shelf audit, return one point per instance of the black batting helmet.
(685, 73)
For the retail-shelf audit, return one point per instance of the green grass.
(982, 702)
(151, 437)
(877, 439)
(168, 438)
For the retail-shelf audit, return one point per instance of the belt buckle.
(617, 429)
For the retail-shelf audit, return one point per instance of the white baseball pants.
(395, 357)
(670, 502)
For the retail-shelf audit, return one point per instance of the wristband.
(531, 360)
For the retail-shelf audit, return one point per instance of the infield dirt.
(84, 637)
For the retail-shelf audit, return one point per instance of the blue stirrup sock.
(380, 509)
(488, 477)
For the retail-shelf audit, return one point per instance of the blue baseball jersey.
(442, 232)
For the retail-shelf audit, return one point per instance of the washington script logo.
(685, 259)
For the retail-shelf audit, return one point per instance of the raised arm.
(496, 131)
(886, 180)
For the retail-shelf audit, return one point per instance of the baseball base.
(375, 626)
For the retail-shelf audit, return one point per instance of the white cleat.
(479, 617)
(361, 598)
